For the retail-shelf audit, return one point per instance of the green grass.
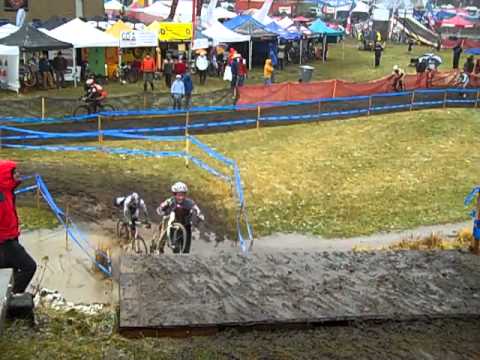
(336, 178)
(34, 219)
(345, 62)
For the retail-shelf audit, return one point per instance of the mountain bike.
(171, 232)
(88, 108)
(129, 232)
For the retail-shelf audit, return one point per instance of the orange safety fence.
(290, 91)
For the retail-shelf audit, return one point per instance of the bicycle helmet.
(396, 68)
(90, 82)
(179, 187)
(135, 197)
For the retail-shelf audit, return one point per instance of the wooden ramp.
(189, 294)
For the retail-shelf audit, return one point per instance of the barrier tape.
(244, 107)
(72, 230)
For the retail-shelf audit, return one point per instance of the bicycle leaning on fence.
(172, 233)
(129, 232)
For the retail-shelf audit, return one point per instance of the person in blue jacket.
(188, 84)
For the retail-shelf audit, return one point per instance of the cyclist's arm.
(144, 209)
(164, 207)
(126, 205)
(197, 212)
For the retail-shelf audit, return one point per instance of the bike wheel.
(139, 246)
(106, 107)
(179, 239)
(123, 232)
(30, 79)
(132, 77)
(81, 110)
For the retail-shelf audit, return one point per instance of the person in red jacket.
(148, 68)
(12, 254)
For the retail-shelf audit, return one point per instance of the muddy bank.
(292, 287)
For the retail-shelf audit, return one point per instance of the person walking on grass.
(457, 51)
(12, 254)
(59, 66)
(148, 68)
(202, 66)
(178, 92)
(45, 70)
(268, 72)
(188, 86)
(378, 53)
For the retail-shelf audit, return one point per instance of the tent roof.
(83, 35)
(246, 25)
(116, 29)
(285, 22)
(154, 27)
(7, 29)
(457, 21)
(29, 38)
(9, 50)
(221, 34)
(221, 13)
(302, 29)
(473, 51)
(282, 33)
(318, 26)
(113, 5)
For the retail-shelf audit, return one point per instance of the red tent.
(457, 21)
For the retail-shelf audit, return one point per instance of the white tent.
(7, 29)
(285, 23)
(221, 34)
(9, 67)
(162, 9)
(262, 14)
(83, 35)
(113, 5)
(222, 13)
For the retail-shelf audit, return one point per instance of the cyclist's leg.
(188, 240)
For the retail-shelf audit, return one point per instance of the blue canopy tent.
(319, 27)
(282, 33)
(247, 25)
(473, 51)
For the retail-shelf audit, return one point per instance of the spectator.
(235, 68)
(45, 70)
(431, 70)
(60, 66)
(281, 56)
(469, 65)
(242, 71)
(202, 66)
(168, 70)
(398, 79)
(188, 86)
(477, 67)
(12, 254)
(148, 68)
(220, 61)
(411, 42)
(378, 53)
(177, 91)
(268, 72)
(420, 67)
(180, 67)
(457, 51)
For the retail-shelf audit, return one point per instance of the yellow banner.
(175, 32)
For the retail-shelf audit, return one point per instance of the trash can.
(306, 73)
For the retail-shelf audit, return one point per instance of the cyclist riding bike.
(95, 94)
(462, 82)
(398, 79)
(185, 209)
(132, 204)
